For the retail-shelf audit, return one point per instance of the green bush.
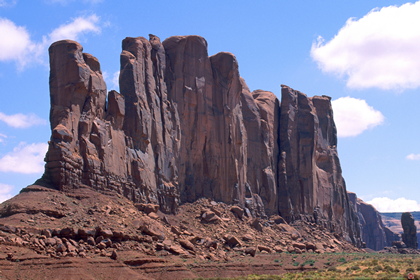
(368, 270)
(310, 262)
(377, 268)
(333, 268)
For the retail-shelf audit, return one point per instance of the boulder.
(237, 211)
(251, 251)
(209, 216)
(232, 241)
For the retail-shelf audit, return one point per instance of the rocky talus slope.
(89, 235)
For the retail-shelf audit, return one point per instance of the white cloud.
(116, 80)
(7, 3)
(380, 50)
(25, 158)
(112, 82)
(16, 44)
(2, 136)
(22, 120)
(353, 116)
(5, 192)
(385, 204)
(75, 28)
(413, 157)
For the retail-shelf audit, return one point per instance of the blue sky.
(364, 54)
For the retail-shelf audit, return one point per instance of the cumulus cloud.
(15, 42)
(22, 120)
(380, 50)
(5, 192)
(385, 204)
(75, 28)
(25, 158)
(353, 116)
(17, 46)
(413, 157)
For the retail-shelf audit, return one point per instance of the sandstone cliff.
(186, 126)
(374, 233)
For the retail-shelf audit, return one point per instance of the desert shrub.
(295, 264)
(410, 269)
(368, 270)
(377, 268)
(310, 262)
(355, 267)
(342, 260)
(333, 268)
(374, 262)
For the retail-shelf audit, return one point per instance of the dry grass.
(353, 266)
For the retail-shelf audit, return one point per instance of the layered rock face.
(186, 126)
(374, 233)
(409, 236)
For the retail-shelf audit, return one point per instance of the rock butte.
(409, 236)
(185, 126)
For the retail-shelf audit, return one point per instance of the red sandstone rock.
(186, 126)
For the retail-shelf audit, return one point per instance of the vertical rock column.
(189, 81)
(310, 182)
(206, 93)
(227, 142)
(78, 95)
(261, 111)
(148, 123)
